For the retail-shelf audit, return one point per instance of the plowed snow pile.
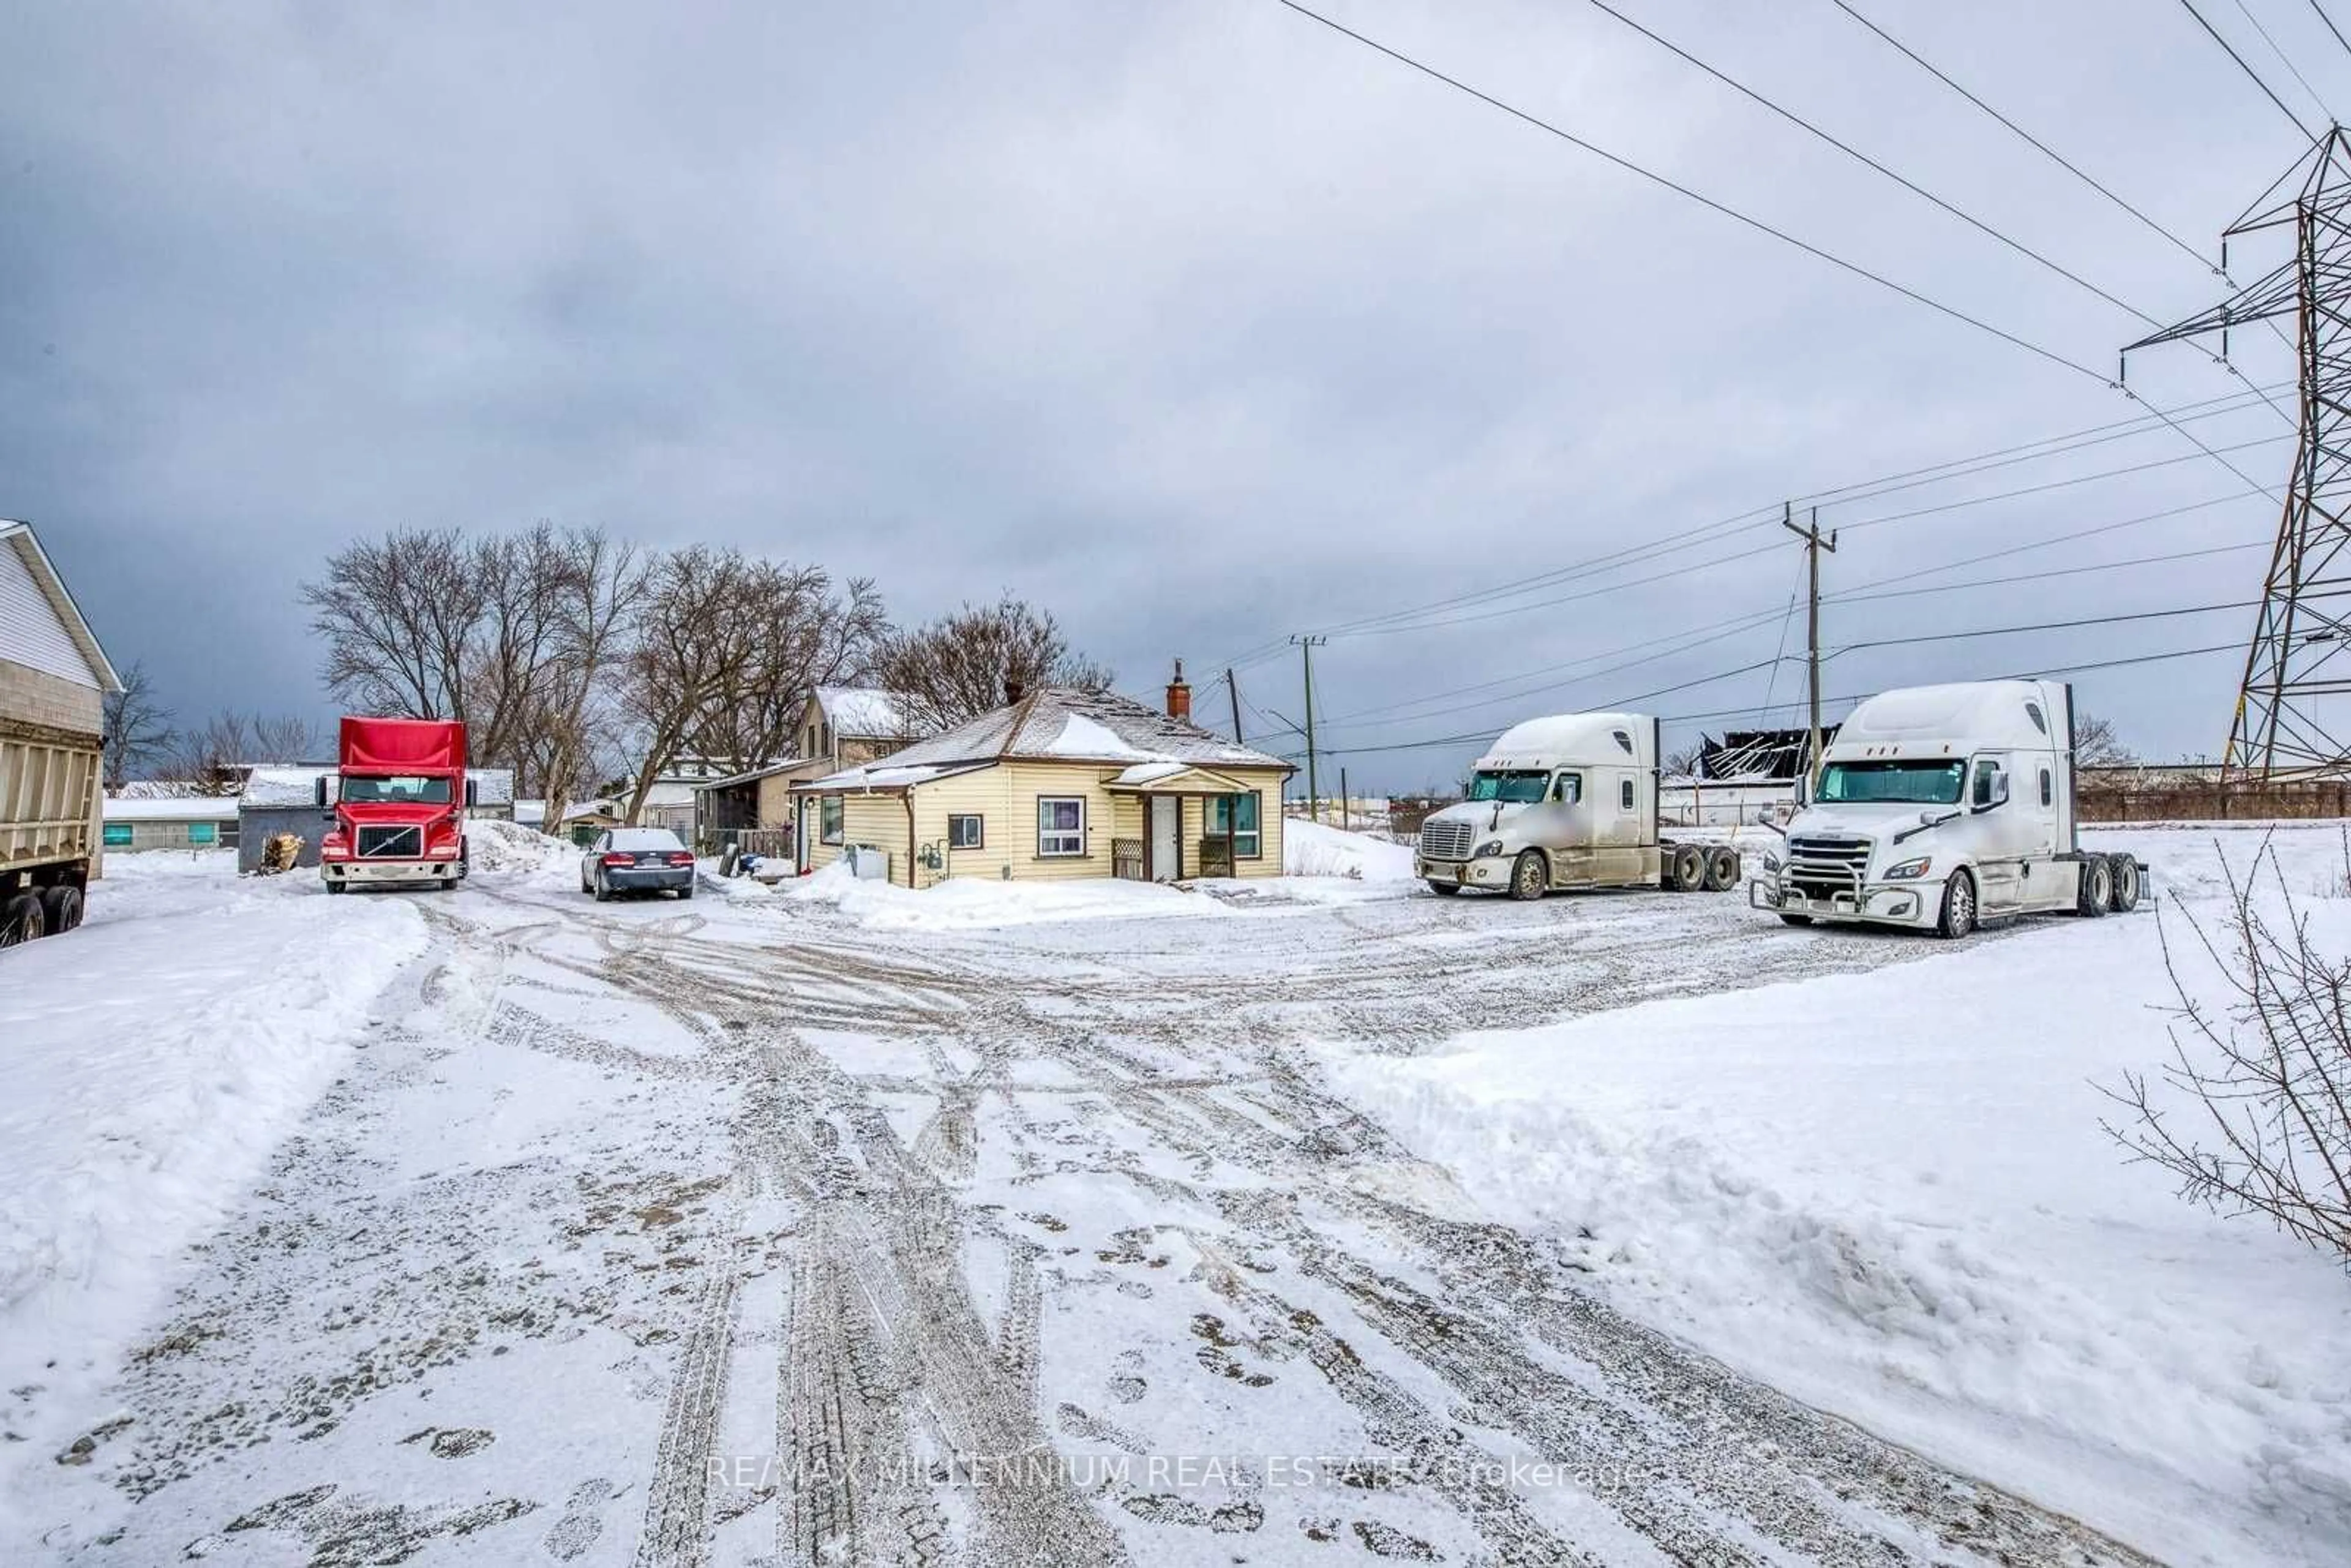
(1889, 1194)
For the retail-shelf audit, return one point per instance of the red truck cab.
(400, 799)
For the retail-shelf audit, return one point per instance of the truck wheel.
(1958, 917)
(2097, 886)
(1797, 919)
(2125, 897)
(1445, 889)
(60, 909)
(339, 887)
(1689, 868)
(1529, 877)
(1721, 869)
(21, 919)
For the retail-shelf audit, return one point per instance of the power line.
(2293, 69)
(2102, 566)
(1855, 268)
(2050, 485)
(2242, 66)
(2045, 626)
(1857, 154)
(2331, 26)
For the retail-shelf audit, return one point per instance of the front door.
(1167, 837)
(802, 839)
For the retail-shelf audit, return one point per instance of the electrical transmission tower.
(2291, 706)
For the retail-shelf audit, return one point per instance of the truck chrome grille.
(404, 840)
(1446, 841)
(1820, 867)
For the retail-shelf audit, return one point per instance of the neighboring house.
(1059, 783)
(286, 800)
(583, 821)
(136, 823)
(840, 727)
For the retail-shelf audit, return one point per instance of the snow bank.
(150, 1063)
(497, 846)
(1310, 849)
(966, 904)
(1888, 1194)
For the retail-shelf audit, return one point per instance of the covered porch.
(1177, 819)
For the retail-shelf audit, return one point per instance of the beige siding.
(877, 819)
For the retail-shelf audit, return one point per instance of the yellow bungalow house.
(1059, 783)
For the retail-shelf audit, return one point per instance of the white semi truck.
(1569, 801)
(1941, 807)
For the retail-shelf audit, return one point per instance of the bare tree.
(961, 665)
(2266, 1081)
(1683, 763)
(570, 714)
(804, 634)
(2096, 744)
(694, 638)
(212, 757)
(400, 616)
(137, 728)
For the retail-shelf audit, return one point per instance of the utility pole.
(1306, 645)
(1233, 689)
(1346, 816)
(1813, 545)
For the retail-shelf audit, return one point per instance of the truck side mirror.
(469, 794)
(319, 785)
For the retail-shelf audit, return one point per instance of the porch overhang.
(1174, 779)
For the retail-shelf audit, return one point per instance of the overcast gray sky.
(1195, 323)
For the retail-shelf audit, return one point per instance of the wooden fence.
(2208, 801)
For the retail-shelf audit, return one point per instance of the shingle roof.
(1063, 724)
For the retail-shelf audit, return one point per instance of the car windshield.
(646, 839)
(1900, 783)
(403, 789)
(1515, 785)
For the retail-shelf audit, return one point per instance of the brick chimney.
(1179, 696)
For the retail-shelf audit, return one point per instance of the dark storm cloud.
(1196, 323)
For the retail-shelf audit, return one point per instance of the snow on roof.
(861, 713)
(170, 809)
(1150, 773)
(1065, 723)
(888, 775)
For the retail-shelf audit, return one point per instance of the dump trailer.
(1569, 801)
(54, 682)
(397, 804)
(1938, 807)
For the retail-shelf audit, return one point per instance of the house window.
(1236, 814)
(1060, 826)
(1625, 794)
(117, 835)
(200, 833)
(827, 820)
(828, 740)
(966, 832)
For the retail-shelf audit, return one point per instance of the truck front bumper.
(377, 873)
(1491, 872)
(1879, 902)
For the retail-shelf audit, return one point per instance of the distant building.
(840, 726)
(135, 822)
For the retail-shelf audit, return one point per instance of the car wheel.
(21, 919)
(60, 909)
(1721, 869)
(1689, 869)
(1958, 917)
(1445, 889)
(602, 892)
(1530, 879)
(1797, 919)
(686, 891)
(2097, 886)
(2124, 896)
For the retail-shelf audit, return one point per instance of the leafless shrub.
(2265, 1081)
(2096, 744)
(960, 665)
(212, 757)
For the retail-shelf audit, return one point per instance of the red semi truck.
(400, 799)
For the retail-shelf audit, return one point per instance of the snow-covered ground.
(1888, 1192)
(664, 1232)
(149, 1063)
